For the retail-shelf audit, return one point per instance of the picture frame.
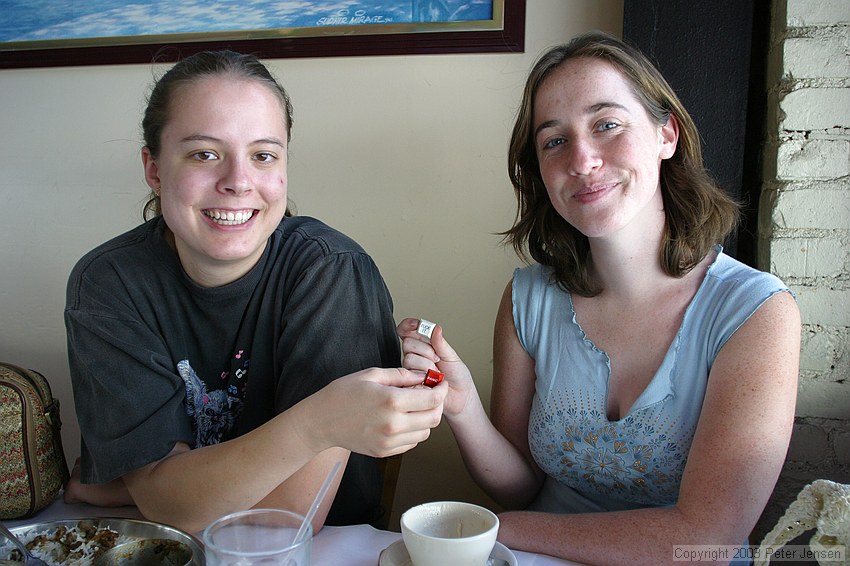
(503, 32)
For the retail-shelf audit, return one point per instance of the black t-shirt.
(156, 359)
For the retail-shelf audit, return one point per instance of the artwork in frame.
(97, 32)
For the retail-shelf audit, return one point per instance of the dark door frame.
(714, 56)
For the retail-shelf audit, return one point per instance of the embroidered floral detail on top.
(629, 459)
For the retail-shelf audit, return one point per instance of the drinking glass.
(257, 536)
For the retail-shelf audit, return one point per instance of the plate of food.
(79, 542)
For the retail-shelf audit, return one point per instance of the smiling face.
(599, 151)
(221, 175)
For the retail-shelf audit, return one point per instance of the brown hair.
(699, 213)
(193, 68)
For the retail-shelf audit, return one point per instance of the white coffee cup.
(449, 532)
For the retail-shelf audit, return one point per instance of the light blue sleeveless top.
(591, 463)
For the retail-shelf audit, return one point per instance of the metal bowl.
(130, 528)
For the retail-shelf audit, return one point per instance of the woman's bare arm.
(738, 451)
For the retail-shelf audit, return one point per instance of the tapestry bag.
(32, 463)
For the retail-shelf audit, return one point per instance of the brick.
(809, 444)
(841, 445)
(824, 306)
(815, 58)
(824, 209)
(818, 351)
(805, 13)
(813, 159)
(788, 257)
(809, 109)
(841, 371)
(808, 257)
(827, 400)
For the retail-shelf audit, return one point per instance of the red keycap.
(433, 377)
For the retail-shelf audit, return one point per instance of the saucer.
(396, 555)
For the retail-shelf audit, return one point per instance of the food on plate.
(69, 546)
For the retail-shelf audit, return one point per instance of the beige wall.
(405, 154)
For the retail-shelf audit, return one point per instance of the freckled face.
(599, 151)
(221, 175)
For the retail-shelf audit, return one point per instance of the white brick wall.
(822, 56)
(823, 400)
(821, 206)
(815, 159)
(803, 13)
(812, 109)
(821, 350)
(809, 257)
(804, 231)
(842, 447)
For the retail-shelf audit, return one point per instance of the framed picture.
(54, 33)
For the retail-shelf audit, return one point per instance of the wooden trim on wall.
(510, 38)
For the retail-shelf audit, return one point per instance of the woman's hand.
(420, 356)
(376, 412)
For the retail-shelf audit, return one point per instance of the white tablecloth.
(358, 545)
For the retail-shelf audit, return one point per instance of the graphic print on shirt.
(214, 413)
